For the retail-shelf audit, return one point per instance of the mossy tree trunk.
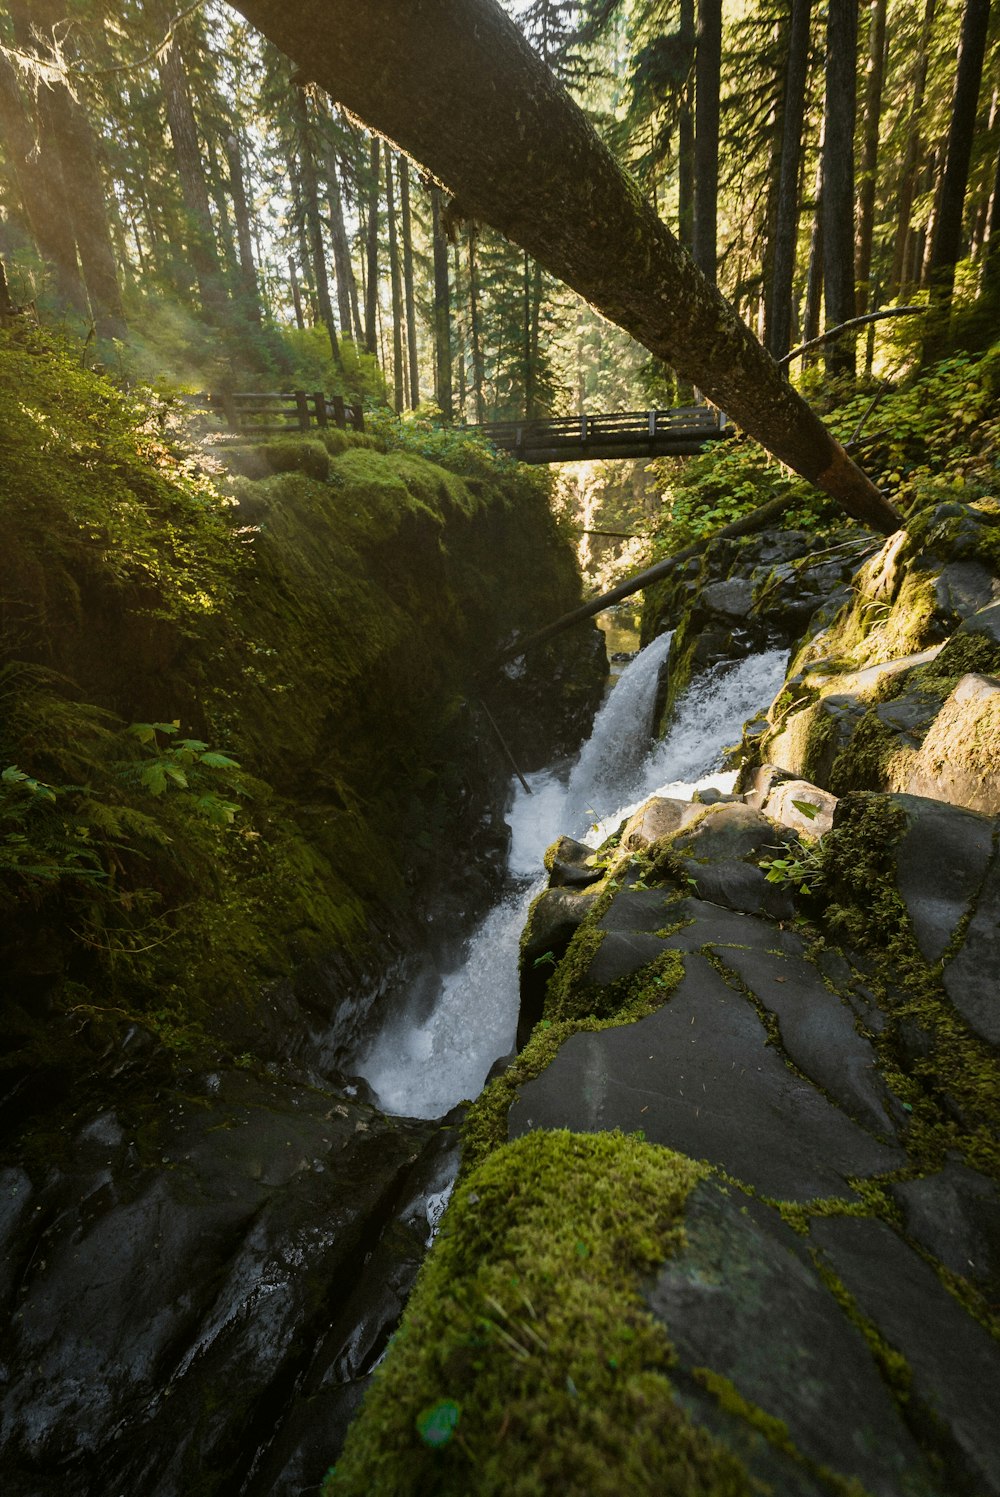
(408, 296)
(397, 288)
(947, 245)
(838, 175)
(310, 209)
(786, 218)
(371, 249)
(454, 83)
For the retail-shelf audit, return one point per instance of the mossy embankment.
(302, 653)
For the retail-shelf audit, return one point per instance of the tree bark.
(787, 212)
(371, 244)
(338, 234)
(293, 277)
(455, 84)
(310, 208)
(708, 69)
(899, 279)
(397, 288)
(408, 296)
(200, 234)
(39, 181)
(442, 311)
(244, 230)
(838, 174)
(947, 243)
(478, 372)
(685, 134)
(868, 175)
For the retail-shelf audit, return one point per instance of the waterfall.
(422, 1066)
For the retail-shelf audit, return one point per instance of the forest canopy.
(175, 190)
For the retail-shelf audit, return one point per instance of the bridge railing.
(680, 424)
(270, 413)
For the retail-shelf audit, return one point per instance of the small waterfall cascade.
(421, 1066)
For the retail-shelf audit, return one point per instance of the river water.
(425, 1060)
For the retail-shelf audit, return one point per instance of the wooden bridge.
(563, 439)
(570, 439)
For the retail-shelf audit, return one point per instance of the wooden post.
(319, 406)
(337, 402)
(302, 406)
(358, 417)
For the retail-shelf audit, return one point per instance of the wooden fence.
(271, 414)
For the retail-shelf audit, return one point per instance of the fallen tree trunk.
(455, 85)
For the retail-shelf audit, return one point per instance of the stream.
(439, 1047)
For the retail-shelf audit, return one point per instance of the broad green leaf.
(807, 808)
(438, 1423)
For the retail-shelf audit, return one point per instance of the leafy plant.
(178, 762)
(803, 872)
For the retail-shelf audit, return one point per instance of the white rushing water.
(423, 1066)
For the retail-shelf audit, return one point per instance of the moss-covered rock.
(528, 1362)
(330, 628)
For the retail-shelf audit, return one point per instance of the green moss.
(526, 1362)
(322, 632)
(866, 762)
(308, 455)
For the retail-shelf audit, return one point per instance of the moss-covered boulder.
(305, 656)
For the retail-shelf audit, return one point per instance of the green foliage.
(310, 366)
(93, 479)
(454, 447)
(939, 431)
(804, 872)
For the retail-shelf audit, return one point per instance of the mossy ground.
(527, 1363)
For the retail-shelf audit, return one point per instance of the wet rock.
(742, 1299)
(699, 1076)
(802, 807)
(817, 1030)
(180, 1255)
(955, 1216)
(940, 864)
(963, 588)
(621, 954)
(958, 757)
(552, 923)
(657, 817)
(739, 886)
(704, 924)
(971, 978)
(985, 623)
(647, 910)
(951, 1357)
(725, 832)
(570, 864)
(730, 600)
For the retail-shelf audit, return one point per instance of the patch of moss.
(866, 762)
(308, 455)
(526, 1362)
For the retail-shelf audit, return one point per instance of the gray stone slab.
(711, 924)
(699, 1077)
(640, 909)
(730, 830)
(972, 978)
(955, 1215)
(740, 886)
(940, 861)
(817, 1031)
(954, 1361)
(963, 588)
(621, 954)
(743, 1299)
